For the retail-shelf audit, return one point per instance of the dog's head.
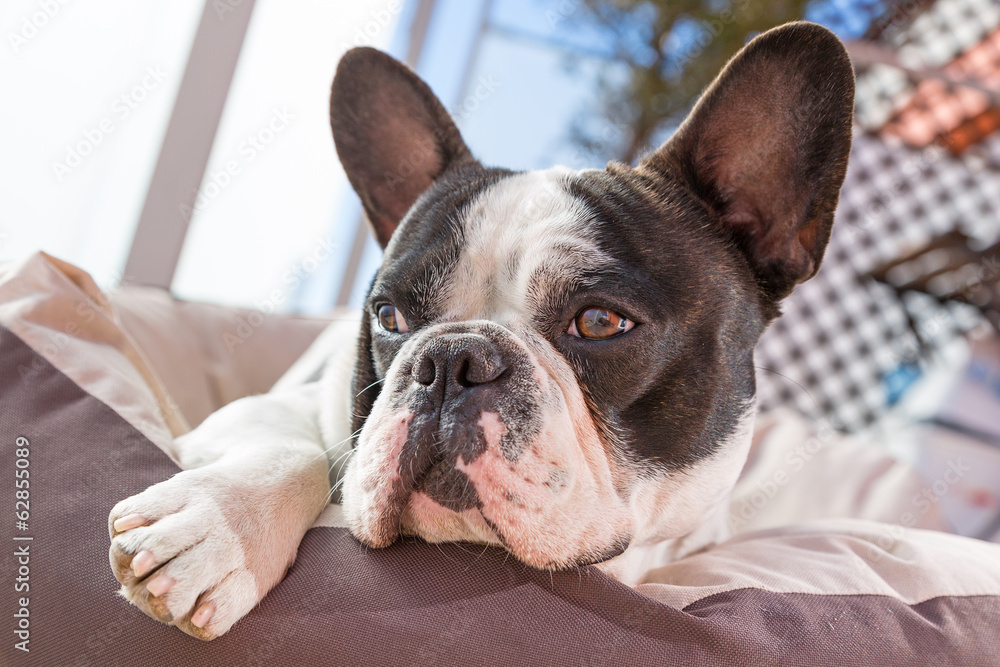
(561, 361)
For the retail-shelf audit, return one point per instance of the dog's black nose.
(458, 360)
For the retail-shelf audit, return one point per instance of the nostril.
(480, 369)
(462, 374)
(459, 361)
(424, 371)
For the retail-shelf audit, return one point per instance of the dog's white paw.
(199, 550)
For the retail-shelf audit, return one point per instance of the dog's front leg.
(200, 549)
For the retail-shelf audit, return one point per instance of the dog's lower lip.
(496, 531)
(384, 532)
(613, 551)
(448, 487)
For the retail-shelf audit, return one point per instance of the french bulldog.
(556, 362)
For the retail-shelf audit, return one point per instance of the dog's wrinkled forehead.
(524, 237)
(498, 251)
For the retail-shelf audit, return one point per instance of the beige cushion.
(208, 355)
(798, 471)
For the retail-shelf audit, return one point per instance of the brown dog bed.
(82, 410)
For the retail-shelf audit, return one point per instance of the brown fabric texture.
(410, 604)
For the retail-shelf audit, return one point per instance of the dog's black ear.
(393, 136)
(766, 147)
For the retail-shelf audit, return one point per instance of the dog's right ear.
(766, 148)
(393, 136)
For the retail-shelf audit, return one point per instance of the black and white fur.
(487, 417)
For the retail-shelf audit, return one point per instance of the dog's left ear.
(766, 147)
(393, 135)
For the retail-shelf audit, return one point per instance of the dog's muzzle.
(456, 377)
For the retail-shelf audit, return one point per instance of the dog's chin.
(427, 519)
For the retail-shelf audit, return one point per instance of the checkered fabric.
(945, 30)
(846, 342)
(842, 334)
(935, 36)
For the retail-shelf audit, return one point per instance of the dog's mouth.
(420, 490)
(449, 487)
(459, 484)
(443, 504)
(436, 502)
(429, 519)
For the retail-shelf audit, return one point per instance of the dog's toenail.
(128, 522)
(160, 585)
(143, 563)
(203, 615)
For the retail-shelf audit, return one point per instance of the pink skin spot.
(493, 429)
(546, 503)
(381, 466)
(429, 512)
(371, 478)
(495, 482)
(396, 442)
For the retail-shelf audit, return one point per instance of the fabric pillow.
(209, 355)
(825, 593)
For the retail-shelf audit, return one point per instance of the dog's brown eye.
(599, 323)
(390, 319)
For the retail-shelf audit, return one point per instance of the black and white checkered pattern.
(842, 332)
(843, 335)
(933, 37)
(945, 30)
